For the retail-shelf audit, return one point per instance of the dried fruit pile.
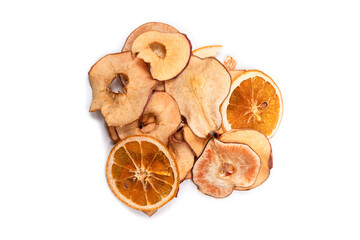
(182, 114)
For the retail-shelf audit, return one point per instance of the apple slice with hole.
(167, 53)
(150, 26)
(160, 119)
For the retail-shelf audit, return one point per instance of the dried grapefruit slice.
(259, 143)
(224, 166)
(254, 102)
(142, 173)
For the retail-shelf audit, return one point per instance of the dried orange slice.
(142, 173)
(254, 102)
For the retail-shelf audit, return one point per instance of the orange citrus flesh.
(141, 174)
(255, 104)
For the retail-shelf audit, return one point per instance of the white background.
(53, 151)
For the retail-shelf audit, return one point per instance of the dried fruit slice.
(182, 153)
(257, 142)
(235, 73)
(197, 144)
(113, 134)
(254, 102)
(142, 173)
(229, 63)
(207, 51)
(160, 86)
(224, 166)
(160, 119)
(150, 26)
(167, 53)
(199, 90)
(118, 108)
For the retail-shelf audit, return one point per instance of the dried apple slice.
(207, 51)
(113, 134)
(182, 153)
(160, 119)
(150, 26)
(160, 86)
(197, 144)
(224, 166)
(199, 91)
(259, 143)
(235, 73)
(167, 53)
(120, 109)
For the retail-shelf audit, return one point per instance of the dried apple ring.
(119, 108)
(160, 119)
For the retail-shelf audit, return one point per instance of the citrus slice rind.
(142, 173)
(254, 102)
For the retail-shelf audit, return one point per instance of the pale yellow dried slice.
(199, 91)
(207, 51)
(142, 173)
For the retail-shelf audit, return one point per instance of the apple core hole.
(118, 84)
(158, 49)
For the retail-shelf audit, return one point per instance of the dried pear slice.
(167, 53)
(150, 26)
(182, 153)
(197, 144)
(199, 91)
(120, 109)
(160, 119)
(259, 143)
(224, 166)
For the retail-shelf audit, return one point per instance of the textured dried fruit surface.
(257, 142)
(199, 91)
(229, 63)
(167, 53)
(207, 51)
(224, 166)
(120, 109)
(254, 102)
(235, 73)
(197, 144)
(113, 134)
(151, 26)
(160, 119)
(142, 173)
(182, 153)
